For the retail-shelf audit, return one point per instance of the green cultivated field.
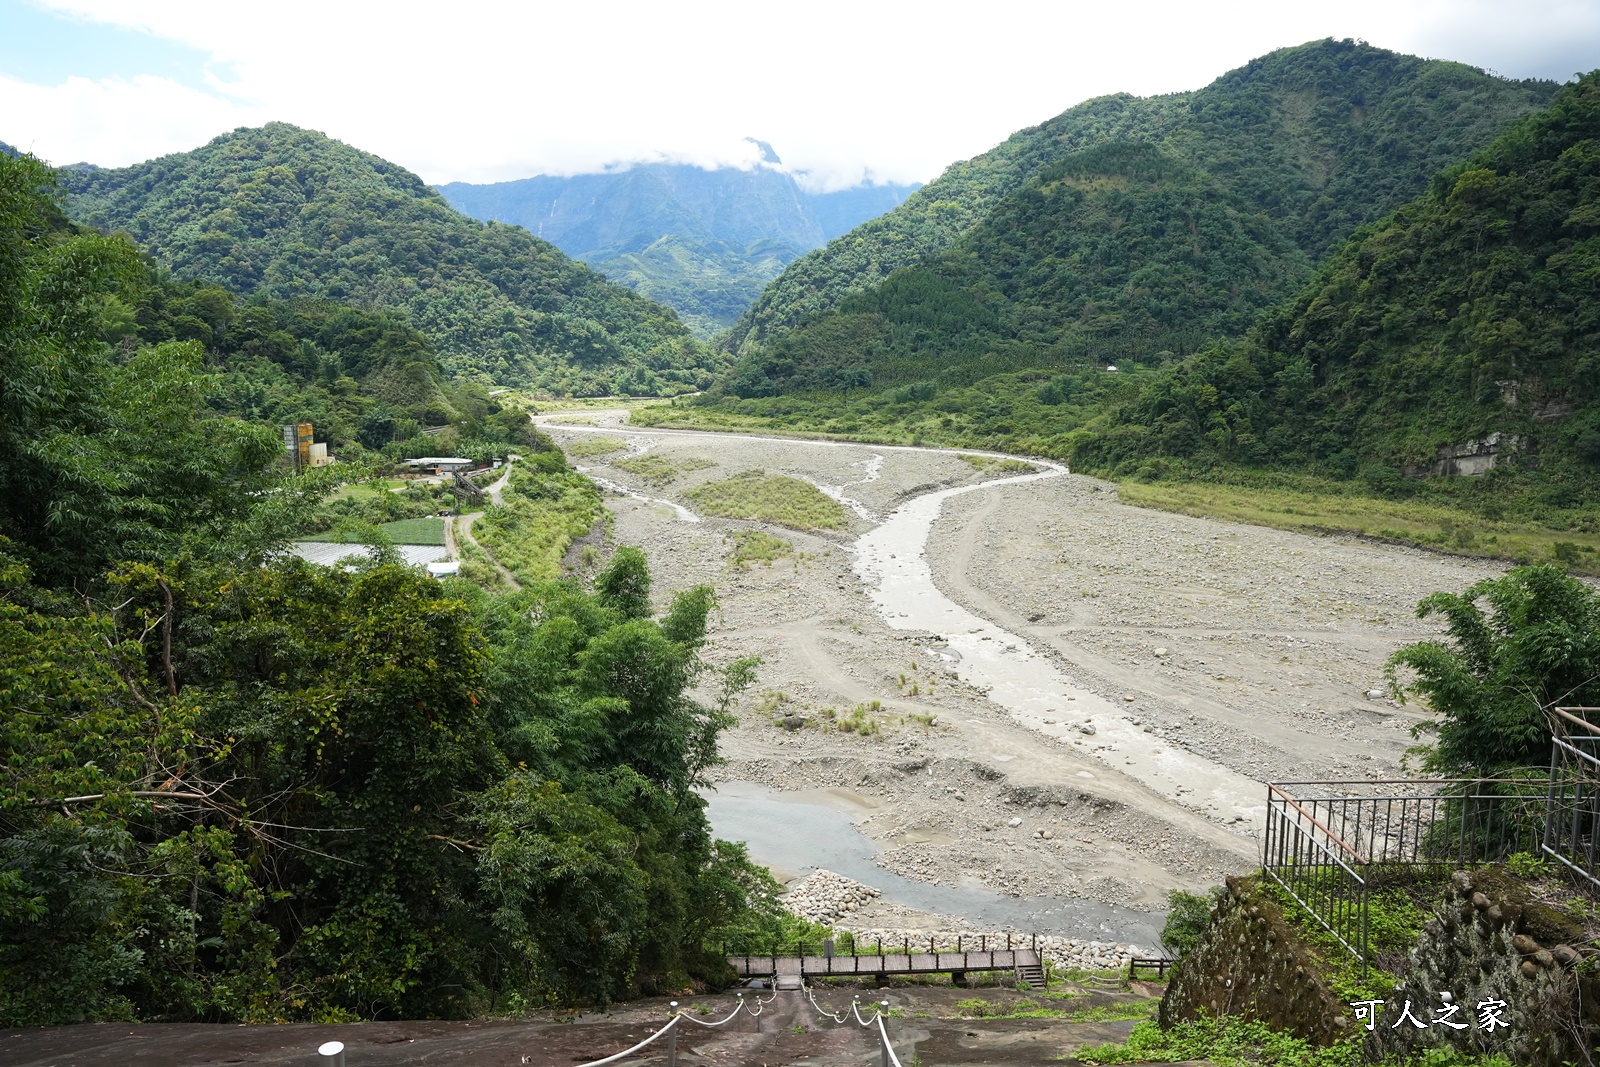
(404, 532)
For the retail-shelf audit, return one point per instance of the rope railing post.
(672, 1038)
(331, 1054)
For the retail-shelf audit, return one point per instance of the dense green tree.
(1532, 644)
(111, 454)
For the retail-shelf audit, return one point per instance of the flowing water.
(788, 831)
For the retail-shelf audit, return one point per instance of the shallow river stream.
(786, 831)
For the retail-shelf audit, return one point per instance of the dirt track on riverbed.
(1248, 648)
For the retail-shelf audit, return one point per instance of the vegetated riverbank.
(1439, 514)
(1252, 649)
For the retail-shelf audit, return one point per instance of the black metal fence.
(1322, 848)
(1572, 822)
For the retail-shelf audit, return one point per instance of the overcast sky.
(843, 89)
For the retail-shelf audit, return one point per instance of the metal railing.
(1572, 823)
(955, 956)
(1324, 849)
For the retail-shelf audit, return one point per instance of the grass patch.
(477, 567)
(1120, 1012)
(754, 546)
(1227, 1042)
(368, 490)
(1424, 524)
(771, 498)
(600, 445)
(1395, 915)
(861, 719)
(403, 532)
(659, 470)
(978, 1008)
(415, 531)
(996, 465)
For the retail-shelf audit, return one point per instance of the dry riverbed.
(1192, 651)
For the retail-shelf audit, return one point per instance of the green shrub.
(1188, 916)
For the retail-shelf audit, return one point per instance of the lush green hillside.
(1115, 252)
(704, 241)
(1319, 138)
(1470, 312)
(288, 213)
(366, 379)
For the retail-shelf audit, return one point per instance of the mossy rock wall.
(1253, 964)
(1488, 941)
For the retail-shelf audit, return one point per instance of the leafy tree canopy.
(1517, 646)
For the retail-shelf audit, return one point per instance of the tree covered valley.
(1336, 291)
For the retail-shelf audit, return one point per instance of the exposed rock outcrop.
(1489, 945)
(1468, 459)
(1251, 963)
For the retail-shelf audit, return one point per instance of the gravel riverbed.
(1250, 648)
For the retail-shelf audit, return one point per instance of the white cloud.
(113, 120)
(483, 91)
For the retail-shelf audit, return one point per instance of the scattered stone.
(1162, 653)
(1087, 728)
(1014, 821)
(1374, 694)
(824, 897)
(1128, 698)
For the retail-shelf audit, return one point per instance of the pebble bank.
(833, 899)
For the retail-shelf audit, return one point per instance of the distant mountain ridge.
(1320, 139)
(290, 213)
(705, 241)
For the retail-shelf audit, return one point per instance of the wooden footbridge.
(791, 971)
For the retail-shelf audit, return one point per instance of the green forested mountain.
(288, 213)
(1471, 311)
(1318, 139)
(704, 241)
(1115, 251)
(1461, 327)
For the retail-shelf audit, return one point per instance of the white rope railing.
(734, 1014)
(839, 1018)
(888, 1049)
(667, 1029)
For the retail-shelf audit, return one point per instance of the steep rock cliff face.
(1251, 963)
(1488, 944)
